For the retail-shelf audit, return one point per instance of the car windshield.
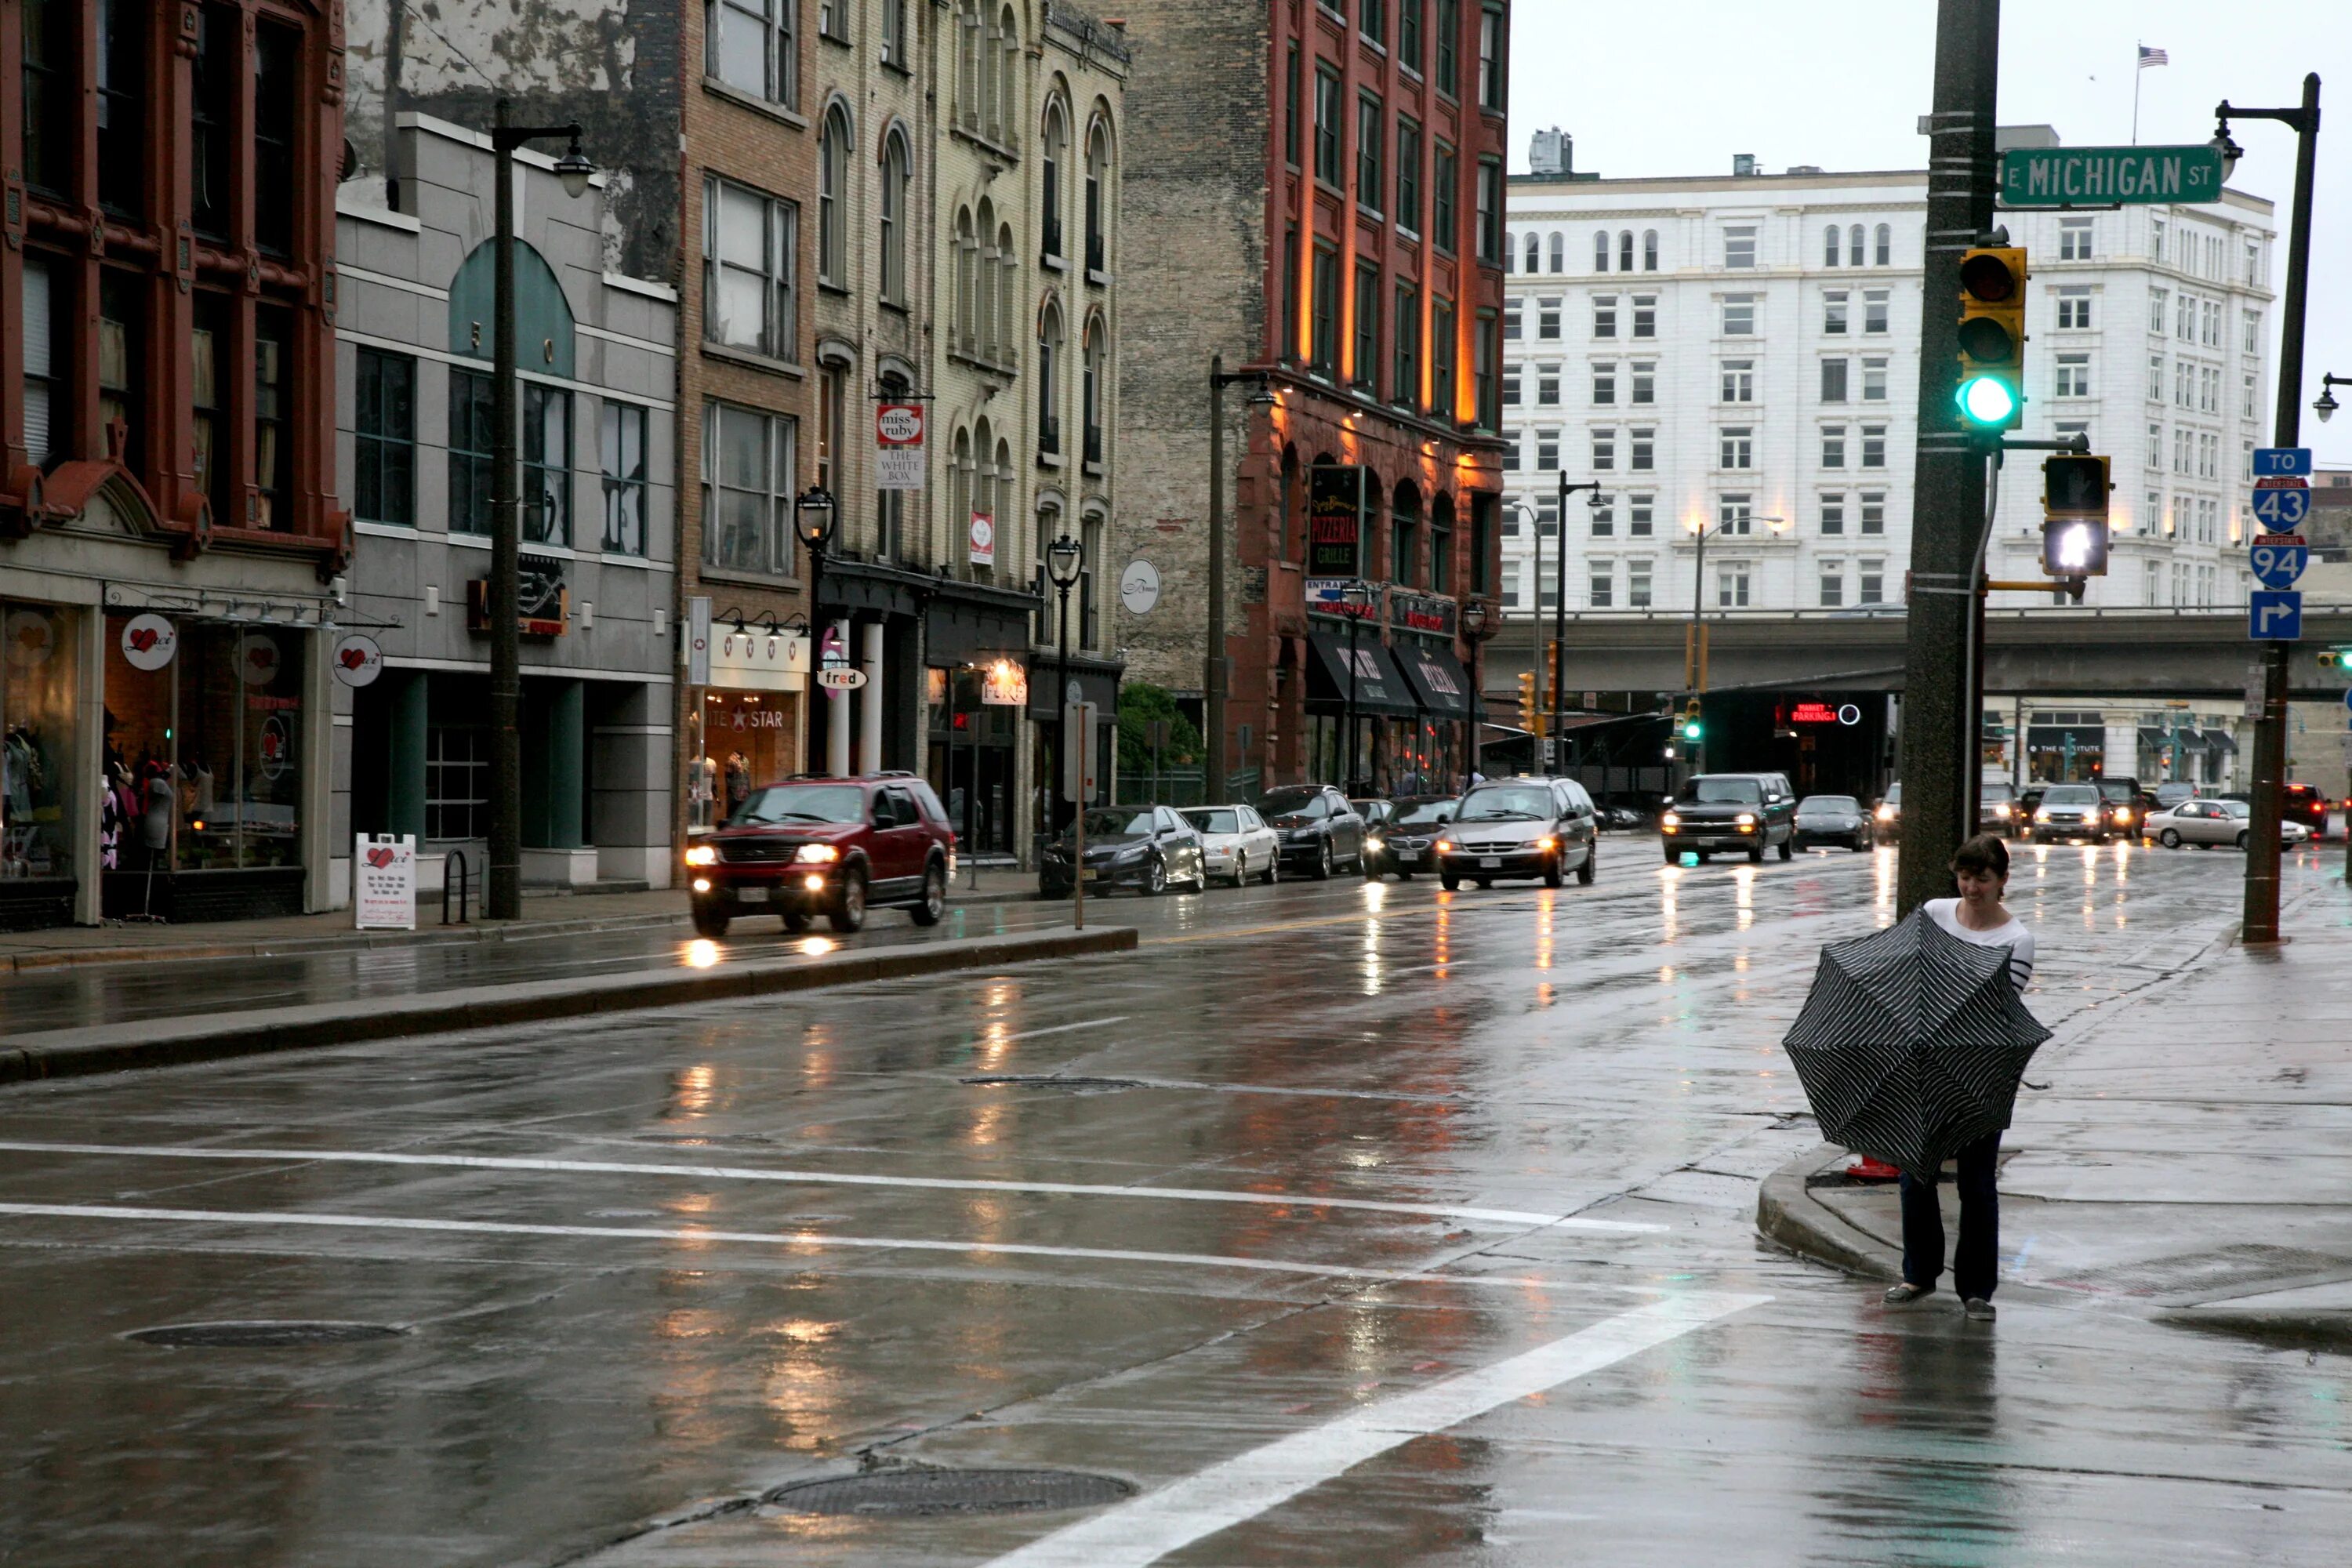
(1828, 805)
(1503, 802)
(1894, 795)
(1720, 792)
(801, 803)
(1298, 804)
(2174, 793)
(1995, 792)
(1215, 819)
(1119, 823)
(2071, 795)
(2118, 789)
(2238, 807)
(1425, 812)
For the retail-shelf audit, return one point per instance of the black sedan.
(1320, 831)
(1836, 819)
(1148, 848)
(1407, 841)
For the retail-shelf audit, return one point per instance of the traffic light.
(1693, 729)
(1530, 706)
(2336, 661)
(1992, 338)
(2075, 515)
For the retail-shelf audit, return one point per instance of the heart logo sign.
(351, 657)
(142, 639)
(379, 858)
(149, 641)
(357, 660)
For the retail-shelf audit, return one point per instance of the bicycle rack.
(464, 878)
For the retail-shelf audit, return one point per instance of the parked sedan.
(1320, 831)
(2205, 821)
(1236, 844)
(1147, 847)
(1407, 841)
(1833, 819)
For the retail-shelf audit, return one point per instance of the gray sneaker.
(1903, 1293)
(1977, 1308)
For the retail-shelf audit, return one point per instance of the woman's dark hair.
(1985, 855)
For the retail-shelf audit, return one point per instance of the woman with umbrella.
(1977, 915)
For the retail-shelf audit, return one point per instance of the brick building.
(1324, 187)
(170, 540)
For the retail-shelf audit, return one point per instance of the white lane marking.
(1058, 1029)
(1147, 1529)
(823, 1178)
(813, 1240)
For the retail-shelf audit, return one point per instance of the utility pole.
(1213, 664)
(2259, 922)
(1948, 516)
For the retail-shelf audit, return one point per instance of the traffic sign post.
(2274, 614)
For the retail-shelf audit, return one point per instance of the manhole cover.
(1054, 1080)
(263, 1335)
(923, 1493)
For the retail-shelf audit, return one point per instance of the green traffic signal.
(1989, 401)
(1692, 730)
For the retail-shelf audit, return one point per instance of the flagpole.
(2138, 70)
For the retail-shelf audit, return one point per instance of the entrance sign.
(2274, 614)
(984, 540)
(1335, 521)
(1138, 587)
(2091, 176)
(383, 882)
(357, 660)
(148, 642)
(899, 446)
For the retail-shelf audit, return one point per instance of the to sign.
(841, 677)
(2087, 176)
(357, 660)
(2270, 462)
(2278, 559)
(2281, 512)
(2274, 614)
(899, 446)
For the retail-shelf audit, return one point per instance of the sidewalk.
(2192, 1157)
(544, 915)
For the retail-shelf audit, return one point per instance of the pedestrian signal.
(2075, 533)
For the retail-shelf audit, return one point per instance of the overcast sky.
(1677, 87)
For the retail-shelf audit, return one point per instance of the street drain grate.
(1054, 1080)
(263, 1335)
(929, 1493)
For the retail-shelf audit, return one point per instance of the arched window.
(983, 483)
(1057, 141)
(1559, 253)
(960, 487)
(967, 284)
(832, 198)
(896, 164)
(1294, 541)
(1511, 253)
(1601, 250)
(1625, 251)
(1830, 246)
(1008, 281)
(1853, 246)
(1886, 246)
(1404, 537)
(969, 75)
(1049, 354)
(1098, 198)
(1535, 253)
(1002, 497)
(1441, 544)
(1649, 251)
(1091, 390)
(1008, 65)
(984, 314)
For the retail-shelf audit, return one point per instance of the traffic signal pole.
(1938, 735)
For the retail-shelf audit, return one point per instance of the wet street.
(1338, 1225)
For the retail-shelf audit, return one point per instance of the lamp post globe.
(1063, 559)
(574, 169)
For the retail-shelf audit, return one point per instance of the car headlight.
(1132, 852)
(2042, 816)
(1372, 841)
(1745, 819)
(818, 854)
(2122, 814)
(702, 855)
(1446, 846)
(1671, 821)
(1544, 843)
(2001, 810)
(1886, 814)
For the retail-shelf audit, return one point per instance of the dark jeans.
(1976, 1262)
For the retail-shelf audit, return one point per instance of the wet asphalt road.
(1363, 1225)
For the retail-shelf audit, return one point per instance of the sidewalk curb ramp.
(173, 1042)
(1789, 1217)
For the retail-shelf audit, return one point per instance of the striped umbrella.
(1912, 1043)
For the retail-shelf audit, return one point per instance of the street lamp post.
(1065, 558)
(1594, 500)
(1212, 667)
(1695, 661)
(1357, 596)
(814, 517)
(1478, 623)
(504, 900)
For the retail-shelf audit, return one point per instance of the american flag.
(2148, 57)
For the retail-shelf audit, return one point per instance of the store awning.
(2220, 742)
(2155, 739)
(1438, 680)
(1377, 686)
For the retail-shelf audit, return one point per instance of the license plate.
(1489, 862)
(1090, 874)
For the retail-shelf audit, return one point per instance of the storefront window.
(37, 804)
(749, 738)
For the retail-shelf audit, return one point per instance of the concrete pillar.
(836, 718)
(406, 712)
(869, 702)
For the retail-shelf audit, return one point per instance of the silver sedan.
(1236, 844)
(2205, 823)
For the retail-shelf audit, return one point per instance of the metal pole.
(505, 902)
(1972, 773)
(1559, 631)
(2260, 921)
(1348, 768)
(1073, 766)
(816, 666)
(1950, 472)
(1212, 670)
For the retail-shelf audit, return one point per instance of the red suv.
(830, 846)
(2304, 803)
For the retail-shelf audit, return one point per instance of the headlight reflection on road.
(817, 946)
(1372, 972)
(1743, 895)
(1669, 905)
(701, 953)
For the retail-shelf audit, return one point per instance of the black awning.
(2220, 741)
(1437, 679)
(1096, 679)
(2148, 737)
(1377, 686)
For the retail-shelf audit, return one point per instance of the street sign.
(2094, 176)
(1079, 770)
(841, 677)
(2271, 460)
(2278, 561)
(2281, 512)
(2274, 614)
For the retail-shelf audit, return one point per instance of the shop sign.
(1326, 596)
(984, 540)
(257, 658)
(1824, 713)
(1138, 587)
(1335, 520)
(758, 660)
(542, 603)
(383, 882)
(149, 641)
(32, 638)
(697, 640)
(899, 446)
(1419, 613)
(1004, 684)
(357, 660)
(841, 677)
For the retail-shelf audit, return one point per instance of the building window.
(1832, 446)
(625, 478)
(471, 432)
(2074, 239)
(1441, 217)
(832, 199)
(747, 489)
(1641, 451)
(1557, 254)
(1443, 396)
(1604, 315)
(1291, 344)
(1406, 387)
(1049, 364)
(1367, 366)
(1600, 585)
(1649, 251)
(384, 439)
(1548, 320)
(1328, 130)
(2250, 338)
(1408, 183)
(1833, 578)
(1853, 246)
(1604, 516)
(2073, 375)
(1548, 450)
(2184, 381)
(896, 182)
(1490, 210)
(1510, 570)
(1294, 93)
(1510, 451)
(1833, 516)
(1874, 311)
(1874, 511)
(1485, 355)
(894, 43)
(1871, 584)
(2156, 299)
(1090, 617)
(1739, 246)
(1371, 21)
(748, 44)
(1325, 353)
(1641, 515)
(1637, 585)
(1493, 87)
(1735, 447)
(2251, 399)
(1548, 386)
(1731, 585)
(748, 300)
(2073, 309)
(1645, 315)
(1645, 381)
(1605, 385)
(1883, 241)
(1739, 381)
(832, 19)
(1372, 142)
(1510, 386)
(1513, 316)
(1408, 40)
(1738, 315)
(1604, 451)
(546, 464)
(212, 150)
(1441, 547)
(1833, 380)
(2155, 378)
(1449, 45)
(50, 120)
(1873, 445)
(122, 60)
(456, 782)
(2156, 446)
(44, 401)
(1831, 251)
(1404, 541)
(1874, 381)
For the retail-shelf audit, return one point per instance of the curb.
(1789, 1217)
(72, 1053)
(433, 936)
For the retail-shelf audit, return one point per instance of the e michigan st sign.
(2097, 176)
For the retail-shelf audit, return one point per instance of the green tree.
(1140, 702)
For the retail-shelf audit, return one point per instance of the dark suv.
(1738, 813)
(833, 848)
(1320, 831)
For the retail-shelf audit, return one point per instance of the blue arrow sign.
(2269, 462)
(2281, 512)
(2274, 614)
(2278, 565)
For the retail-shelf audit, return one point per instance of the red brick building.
(1323, 189)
